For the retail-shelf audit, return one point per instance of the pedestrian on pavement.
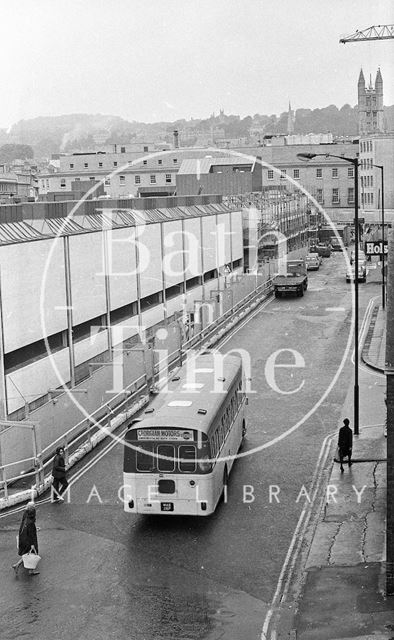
(345, 443)
(59, 475)
(27, 538)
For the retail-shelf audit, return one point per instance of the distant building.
(222, 175)
(376, 149)
(370, 105)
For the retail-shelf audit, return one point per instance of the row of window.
(366, 181)
(367, 198)
(366, 163)
(335, 199)
(166, 458)
(365, 146)
(115, 163)
(122, 180)
(225, 423)
(37, 350)
(319, 173)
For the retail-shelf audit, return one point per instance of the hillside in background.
(85, 132)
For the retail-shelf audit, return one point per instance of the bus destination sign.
(179, 435)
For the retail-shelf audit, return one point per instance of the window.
(335, 196)
(85, 164)
(160, 162)
(107, 182)
(296, 174)
(319, 195)
(334, 172)
(151, 301)
(283, 173)
(168, 177)
(144, 162)
(100, 164)
(350, 172)
(137, 179)
(210, 275)
(122, 179)
(165, 457)
(145, 457)
(71, 166)
(146, 149)
(86, 329)
(92, 178)
(122, 149)
(371, 198)
(350, 195)
(270, 174)
(187, 458)
(193, 282)
(34, 351)
(319, 173)
(371, 181)
(115, 164)
(63, 183)
(175, 160)
(175, 290)
(153, 179)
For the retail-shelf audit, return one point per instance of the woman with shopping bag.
(27, 542)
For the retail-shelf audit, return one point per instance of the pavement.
(343, 583)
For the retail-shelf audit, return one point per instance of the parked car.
(313, 261)
(362, 273)
(324, 250)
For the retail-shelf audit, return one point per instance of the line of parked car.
(318, 251)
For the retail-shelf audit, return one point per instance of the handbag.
(31, 560)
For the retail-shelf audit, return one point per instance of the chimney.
(176, 139)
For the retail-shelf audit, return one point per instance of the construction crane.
(379, 32)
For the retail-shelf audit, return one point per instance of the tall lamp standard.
(380, 166)
(355, 163)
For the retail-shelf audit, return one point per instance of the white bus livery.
(177, 459)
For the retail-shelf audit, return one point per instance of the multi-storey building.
(376, 149)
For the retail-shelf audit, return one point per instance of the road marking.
(289, 563)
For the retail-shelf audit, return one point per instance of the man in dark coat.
(345, 443)
(27, 539)
(59, 475)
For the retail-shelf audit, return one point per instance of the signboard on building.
(375, 248)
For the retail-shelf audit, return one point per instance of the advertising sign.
(375, 248)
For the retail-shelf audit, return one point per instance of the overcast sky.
(152, 60)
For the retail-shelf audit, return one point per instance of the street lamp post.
(355, 163)
(380, 166)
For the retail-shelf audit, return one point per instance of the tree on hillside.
(10, 152)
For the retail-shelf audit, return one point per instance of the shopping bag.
(31, 560)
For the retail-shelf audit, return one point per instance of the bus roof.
(190, 400)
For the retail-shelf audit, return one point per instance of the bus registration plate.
(167, 506)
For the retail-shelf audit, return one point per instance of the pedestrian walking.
(345, 443)
(27, 538)
(59, 475)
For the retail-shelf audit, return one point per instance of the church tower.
(370, 105)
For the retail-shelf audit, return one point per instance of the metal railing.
(84, 435)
